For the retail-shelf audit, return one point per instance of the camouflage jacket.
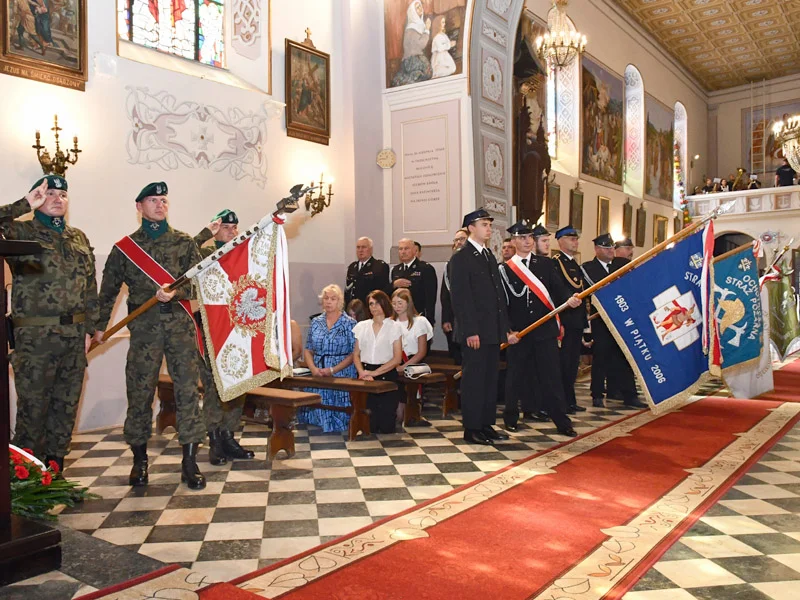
(59, 281)
(174, 250)
(201, 238)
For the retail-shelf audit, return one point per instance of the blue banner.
(737, 301)
(656, 315)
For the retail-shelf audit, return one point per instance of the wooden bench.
(413, 414)
(282, 403)
(450, 402)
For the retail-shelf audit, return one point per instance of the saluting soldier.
(481, 325)
(365, 274)
(418, 276)
(222, 418)
(573, 319)
(54, 312)
(532, 290)
(607, 357)
(157, 253)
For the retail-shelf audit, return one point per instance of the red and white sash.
(534, 284)
(160, 276)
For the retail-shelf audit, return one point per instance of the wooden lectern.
(27, 548)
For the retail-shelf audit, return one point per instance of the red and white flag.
(243, 290)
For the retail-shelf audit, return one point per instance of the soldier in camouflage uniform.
(222, 418)
(54, 309)
(164, 330)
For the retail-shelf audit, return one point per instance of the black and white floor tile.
(254, 513)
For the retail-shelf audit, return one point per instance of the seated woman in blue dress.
(329, 353)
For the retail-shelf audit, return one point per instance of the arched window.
(634, 133)
(681, 139)
(192, 29)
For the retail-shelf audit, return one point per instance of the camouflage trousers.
(153, 337)
(218, 414)
(48, 376)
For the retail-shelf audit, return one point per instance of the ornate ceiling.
(725, 43)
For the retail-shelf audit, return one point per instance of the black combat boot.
(216, 451)
(190, 473)
(232, 448)
(138, 476)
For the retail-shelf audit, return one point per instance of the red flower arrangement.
(37, 489)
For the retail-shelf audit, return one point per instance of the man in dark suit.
(532, 290)
(623, 253)
(418, 276)
(459, 239)
(365, 274)
(481, 325)
(607, 357)
(573, 320)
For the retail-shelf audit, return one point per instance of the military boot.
(138, 476)
(190, 472)
(232, 448)
(216, 452)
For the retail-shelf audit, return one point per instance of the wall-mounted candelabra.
(60, 161)
(316, 204)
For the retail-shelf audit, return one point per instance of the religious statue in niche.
(424, 39)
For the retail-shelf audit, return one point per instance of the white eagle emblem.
(249, 307)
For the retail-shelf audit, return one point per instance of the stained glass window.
(191, 29)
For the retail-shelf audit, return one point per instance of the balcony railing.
(773, 199)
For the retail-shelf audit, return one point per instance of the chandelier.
(559, 46)
(787, 134)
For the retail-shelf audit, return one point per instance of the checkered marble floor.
(254, 513)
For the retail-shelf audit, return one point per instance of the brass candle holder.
(322, 200)
(60, 161)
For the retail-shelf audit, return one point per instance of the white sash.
(533, 282)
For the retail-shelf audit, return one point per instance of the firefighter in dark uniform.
(459, 239)
(573, 320)
(607, 357)
(481, 325)
(534, 367)
(365, 274)
(419, 277)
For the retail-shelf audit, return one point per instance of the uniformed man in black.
(481, 325)
(607, 357)
(573, 320)
(418, 276)
(541, 241)
(623, 253)
(534, 368)
(459, 239)
(365, 274)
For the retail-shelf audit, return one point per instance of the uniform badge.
(57, 222)
(57, 182)
(158, 189)
(154, 226)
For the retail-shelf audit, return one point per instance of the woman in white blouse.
(377, 353)
(417, 331)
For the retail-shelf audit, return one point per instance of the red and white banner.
(534, 284)
(244, 301)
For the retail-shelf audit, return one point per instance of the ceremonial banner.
(785, 330)
(740, 321)
(656, 314)
(244, 301)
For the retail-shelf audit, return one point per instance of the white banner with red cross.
(243, 291)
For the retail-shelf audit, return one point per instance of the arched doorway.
(730, 241)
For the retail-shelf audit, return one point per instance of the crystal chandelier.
(787, 134)
(562, 42)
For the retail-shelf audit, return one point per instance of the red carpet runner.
(574, 522)
(787, 384)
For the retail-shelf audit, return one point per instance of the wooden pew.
(413, 414)
(450, 402)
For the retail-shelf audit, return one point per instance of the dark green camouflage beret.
(157, 188)
(227, 216)
(54, 182)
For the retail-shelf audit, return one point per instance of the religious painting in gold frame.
(660, 224)
(641, 225)
(45, 45)
(553, 208)
(627, 218)
(677, 224)
(603, 214)
(308, 92)
(576, 209)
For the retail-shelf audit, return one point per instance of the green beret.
(227, 216)
(157, 188)
(54, 182)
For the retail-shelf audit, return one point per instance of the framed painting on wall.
(641, 225)
(553, 211)
(603, 214)
(659, 137)
(308, 92)
(45, 41)
(659, 229)
(627, 218)
(601, 129)
(677, 224)
(576, 209)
